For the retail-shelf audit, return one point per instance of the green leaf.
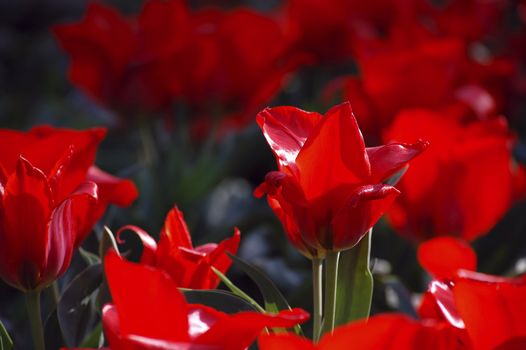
(89, 257)
(274, 300)
(74, 310)
(218, 299)
(237, 291)
(5, 340)
(355, 283)
(93, 340)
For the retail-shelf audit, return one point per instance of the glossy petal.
(151, 310)
(286, 129)
(247, 325)
(500, 320)
(459, 256)
(337, 141)
(388, 159)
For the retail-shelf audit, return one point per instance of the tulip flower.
(188, 266)
(488, 311)
(451, 190)
(156, 315)
(118, 62)
(393, 331)
(51, 195)
(329, 189)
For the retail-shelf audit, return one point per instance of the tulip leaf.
(5, 340)
(355, 283)
(52, 333)
(94, 339)
(218, 299)
(89, 257)
(237, 291)
(74, 310)
(274, 299)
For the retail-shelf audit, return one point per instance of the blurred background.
(178, 85)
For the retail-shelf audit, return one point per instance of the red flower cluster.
(329, 190)
(169, 52)
(426, 73)
(189, 267)
(51, 195)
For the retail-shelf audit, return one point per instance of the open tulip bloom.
(329, 189)
(189, 267)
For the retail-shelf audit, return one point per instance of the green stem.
(317, 292)
(35, 319)
(331, 284)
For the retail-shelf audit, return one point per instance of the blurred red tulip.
(223, 64)
(329, 189)
(188, 266)
(118, 61)
(464, 183)
(156, 315)
(50, 200)
(488, 310)
(394, 331)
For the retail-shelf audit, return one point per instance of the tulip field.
(272, 175)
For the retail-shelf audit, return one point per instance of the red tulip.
(329, 189)
(118, 61)
(49, 201)
(156, 315)
(488, 310)
(188, 266)
(451, 189)
(394, 331)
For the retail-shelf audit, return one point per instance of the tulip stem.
(331, 284)
(317, 288)
(35, 319)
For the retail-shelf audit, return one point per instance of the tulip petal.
(286, 129)
(391, 331)
(248, 325)
(361, 211)
(459, 256)
(121, 192)
(284, 341)
(149, 245)
(25, 210)
(337, 141)
(204, 277)
(493, 312)
(66, 170)
(147, 300)
(175, 233)
(388, 159)
(69, 225)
